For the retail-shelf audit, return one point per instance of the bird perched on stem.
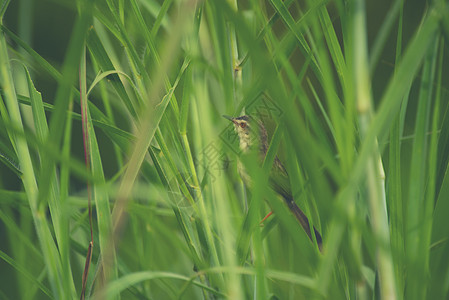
(252, 134)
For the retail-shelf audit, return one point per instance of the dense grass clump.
(119, 175)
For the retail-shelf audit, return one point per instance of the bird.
(252, 135)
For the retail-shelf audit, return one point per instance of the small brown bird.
(252, 133)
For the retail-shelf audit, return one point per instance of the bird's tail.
(304, 221)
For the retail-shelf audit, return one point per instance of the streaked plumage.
(252, 133)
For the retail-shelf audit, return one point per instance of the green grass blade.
(418, 214)
(59, 217)
(100, 55)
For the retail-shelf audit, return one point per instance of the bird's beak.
(229, 118)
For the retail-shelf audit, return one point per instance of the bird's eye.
(243, 125)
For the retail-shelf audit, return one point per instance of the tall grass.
(357, 112)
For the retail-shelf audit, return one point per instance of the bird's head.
(248, 130)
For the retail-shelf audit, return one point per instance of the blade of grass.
(433, 167)
(418, 216)
(98, 52)
(394, 185)
(390, 104)
(87, 157)
(148, 127)
(375, 176)
(59, 217)
(51, 256)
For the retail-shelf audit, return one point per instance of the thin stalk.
(374, 170)
(87, 158)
